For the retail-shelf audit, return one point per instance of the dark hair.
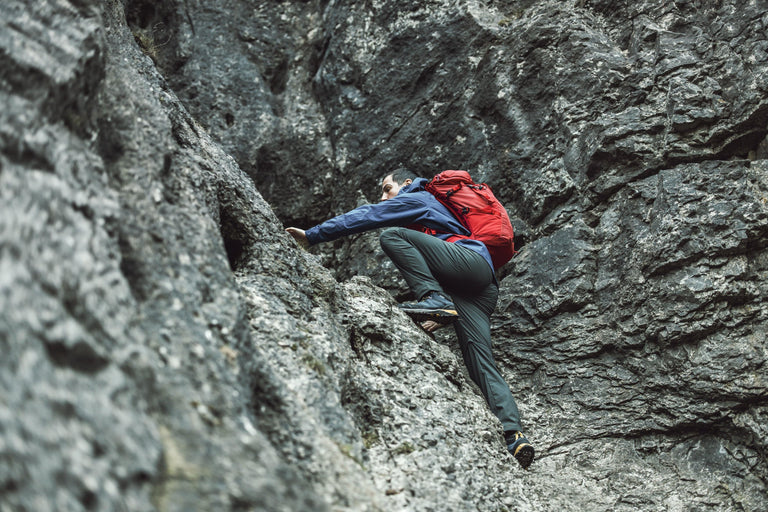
(401, 174)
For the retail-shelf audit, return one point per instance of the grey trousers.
(429, 264)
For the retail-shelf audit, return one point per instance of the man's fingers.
(430, 326)
(299, 235)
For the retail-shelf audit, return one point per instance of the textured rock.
(167, 347)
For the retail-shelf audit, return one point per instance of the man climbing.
(454, 281)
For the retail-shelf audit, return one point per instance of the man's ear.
(407, 182)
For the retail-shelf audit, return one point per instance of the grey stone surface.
(167, 347)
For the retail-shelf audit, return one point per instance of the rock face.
(167, 347)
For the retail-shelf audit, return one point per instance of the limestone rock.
(166, 346)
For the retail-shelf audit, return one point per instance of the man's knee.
(390, 235)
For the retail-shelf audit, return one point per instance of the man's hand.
(430, 326)
(300, 236)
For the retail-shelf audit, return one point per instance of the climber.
(454, 282)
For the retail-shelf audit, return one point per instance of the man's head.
(394, 182)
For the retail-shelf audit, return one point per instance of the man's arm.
(402, 210)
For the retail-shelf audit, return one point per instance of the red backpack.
(478, 210)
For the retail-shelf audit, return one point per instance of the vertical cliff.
(167, 347)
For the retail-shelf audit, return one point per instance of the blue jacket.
(412, 205)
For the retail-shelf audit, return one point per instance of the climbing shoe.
(435, 306)
(520, 448)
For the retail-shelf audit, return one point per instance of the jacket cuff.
(313, 237)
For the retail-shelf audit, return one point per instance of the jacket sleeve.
(401, 210)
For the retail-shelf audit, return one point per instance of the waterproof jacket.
(412, 206)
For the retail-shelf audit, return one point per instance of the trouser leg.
(474, 333)
(430, 264)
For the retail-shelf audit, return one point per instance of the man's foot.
(435, 307)
(520, 448)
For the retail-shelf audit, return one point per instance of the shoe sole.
(524, 455)
(441, 316)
